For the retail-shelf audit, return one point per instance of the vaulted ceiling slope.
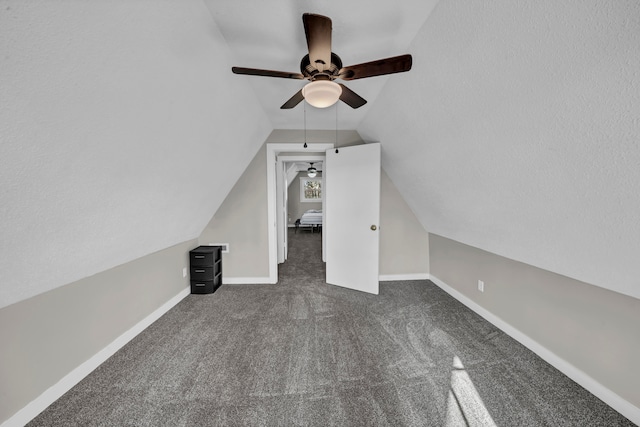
(517, 131)
(123, 129)
(122, 132)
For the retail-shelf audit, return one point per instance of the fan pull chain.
(337, 127)
(305, 123)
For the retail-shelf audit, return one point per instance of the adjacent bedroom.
(304, 198)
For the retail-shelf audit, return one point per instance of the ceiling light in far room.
(322, 93)
(312, 172)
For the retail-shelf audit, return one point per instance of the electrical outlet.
(480, 285)
(184, 272)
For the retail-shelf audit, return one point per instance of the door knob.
(374, 228)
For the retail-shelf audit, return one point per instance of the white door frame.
(281, 209)
(272, 152)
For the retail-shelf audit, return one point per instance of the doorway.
(351, 212)
(299, 201)
(275, 195)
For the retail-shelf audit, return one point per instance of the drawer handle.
(198, 256)
(200, 284)
(199, 271)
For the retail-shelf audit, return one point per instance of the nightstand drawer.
(201, 258)
(202, 286)
(202, 273)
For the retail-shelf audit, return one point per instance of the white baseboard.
(398, 277)
(247, 281)
(39, 404)
(612, 399)
(267, 280)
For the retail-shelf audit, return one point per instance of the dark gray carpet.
(306, 353)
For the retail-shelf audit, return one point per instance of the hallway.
(304, 257)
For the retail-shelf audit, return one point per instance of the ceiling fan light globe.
(322, 93)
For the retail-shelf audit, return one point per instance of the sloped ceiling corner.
(122, 132)
(517, 132)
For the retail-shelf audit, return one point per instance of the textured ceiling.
(516, 131)
(120, 135)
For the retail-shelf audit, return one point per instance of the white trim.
(398, 277)
(282, 211)
(271, 215)
(272, 151)
(304, 158)
(282, 214)
(40, 403)
(246, 281)
(612, 399)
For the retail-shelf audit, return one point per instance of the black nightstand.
(206, 269)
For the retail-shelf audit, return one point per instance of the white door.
(352, 216)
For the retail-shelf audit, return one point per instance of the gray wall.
(241, 221)
(594, 329)
(47, 336)
(404, 243)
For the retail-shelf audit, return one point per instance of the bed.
(311, 218)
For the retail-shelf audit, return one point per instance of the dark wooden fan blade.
(266, 73)
(351, 98)
(396, 64)
(293, 101)
(318, 31)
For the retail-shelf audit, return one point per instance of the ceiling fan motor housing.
(319, 70)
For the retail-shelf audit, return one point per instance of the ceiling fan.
(321, 67)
